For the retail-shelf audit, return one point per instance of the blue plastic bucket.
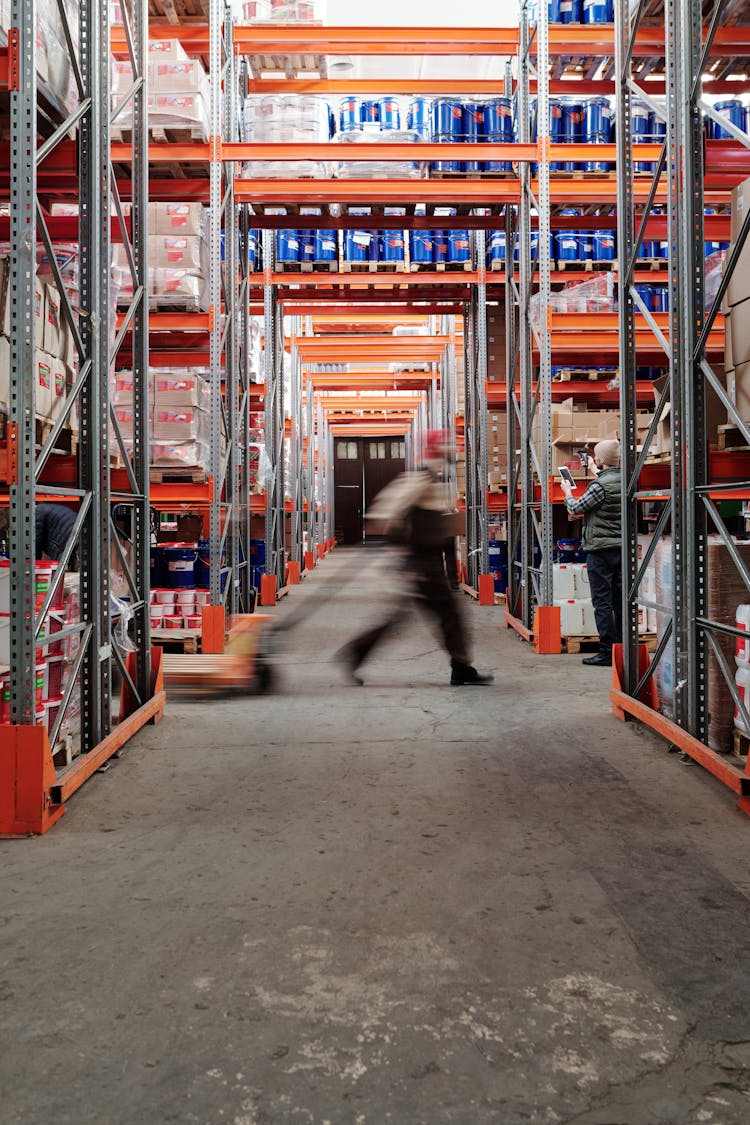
(646, 293)
(439, 246)
(392, 246)
(604, 245)
(287, 246)
(420, 247)
(734, 111)
(556, 129)
(350, 114)
(179, 565)
(375, 249)
(496, 248)
(370, 114)
(307, 246)
(326, 246)
(554, 11)
(357, 245)
(252, 248)
(566, 246)
(203, 566)
(498, 553)
(258, 552)
(572, 121)
(390, 114)
(586, 246)
(641, 128)
(571, 11)
(157, 567)
(598, 11)
(498, 129)
(418, 117)
(459, 246)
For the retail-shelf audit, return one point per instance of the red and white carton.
(173, 622)
(193, 621)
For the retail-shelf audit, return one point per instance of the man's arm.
(592, 498)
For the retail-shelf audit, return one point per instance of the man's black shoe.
(348, 658)
(599, 660)
(465, 675)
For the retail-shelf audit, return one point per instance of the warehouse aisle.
(399, 903)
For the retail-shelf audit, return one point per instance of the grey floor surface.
(397, 903)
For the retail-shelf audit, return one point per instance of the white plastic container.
(157, 610)
(571, 617)
(742, 681)
(742, 646)
(165, 597)
(563, 582)
(4, 585)
(581, 578)
(186, 597)
(589, 620)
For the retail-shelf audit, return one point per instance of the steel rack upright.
(697, 57)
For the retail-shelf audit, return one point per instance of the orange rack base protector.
(735, 776)
(32, 793)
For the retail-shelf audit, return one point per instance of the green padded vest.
(602, 527)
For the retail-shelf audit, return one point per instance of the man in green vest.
(600, 509)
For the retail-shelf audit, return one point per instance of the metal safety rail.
(690, 496)
(33, 790)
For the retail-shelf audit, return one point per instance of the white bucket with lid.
(742, 682)
(742, 645)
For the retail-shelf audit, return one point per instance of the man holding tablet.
(600, 509)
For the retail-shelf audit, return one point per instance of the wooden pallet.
(654, 264)
(167, 475)
(372, 267)
(187, 640)
(740, 744)
(575, 645)
(730, 440)
(162, 134)
(658, 458)
(496, 267)
(67, 441)
(583, 374)
(445, 175)
(177, 11)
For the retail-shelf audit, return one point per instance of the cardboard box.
(59, 388)
(170, 50)
(122, 388)
(174, 251)
(176, 219)
(169, 76)
(737, 335)
(53, 333)
(44, 381)
(738, 289)
(740, 206)
(39, 314)
(180, 388)
(180, 424)
(4, 286)
(738, 389)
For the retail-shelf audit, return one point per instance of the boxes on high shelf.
(122, 388)
(738, 389)
(496, 357)
(169, 76)
(4, 373)
(170, 50)
(58, 389)
(737, 334)
(180, 424)
(176, 219)
(739, 283)
(43, 384)
(181, 388)
(53, 333)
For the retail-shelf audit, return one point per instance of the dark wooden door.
(348, 489)
(384, 459)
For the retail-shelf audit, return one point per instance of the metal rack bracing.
(690, 639)
(90, 327)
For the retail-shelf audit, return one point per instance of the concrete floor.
(398, 903)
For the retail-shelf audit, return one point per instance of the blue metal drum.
(641, 121)
(390, 114)
(326, 246)
(375, 248)
(598, 11)
(586, 246)
(252, 248)
(596, 129)
(356, 245)
(555, 130)
(370, 114)
(459, 246)
(734, 111)
(418, 117)
(571, 11)
(604, 245)
(439, 246)
(497, 246)
(447, 128)
(420, 247)
(307, 246)
(498, 129)
(350, 114)
(287, 246)
(646, 293)
(572, 120)
(392, 246)
(660, 298)
(554, 9)
(472, 129)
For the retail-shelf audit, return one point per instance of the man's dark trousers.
(605, 579)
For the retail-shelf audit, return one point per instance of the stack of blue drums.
(498, 129)
(447, 128)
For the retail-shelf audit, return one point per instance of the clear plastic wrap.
(284, 119)
(596, 295)
(377, 169)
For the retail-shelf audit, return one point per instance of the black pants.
(435, 596)
(605, 579)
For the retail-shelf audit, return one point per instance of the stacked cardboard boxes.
(177, 259)
(178, 421)
(497, 450)
(179, 93)
(53, 357)
(737, 312)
